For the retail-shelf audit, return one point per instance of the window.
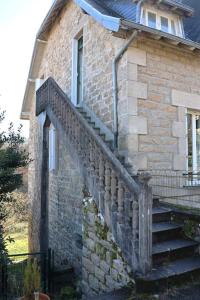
(77, 69)
(52, 148)
(80, 71)
(164, 24)
(151, 20)
(173, 27)
(193, 133)
(161, 20)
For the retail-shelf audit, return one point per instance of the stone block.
(178, 129)
(93, 283)
(118, 265)
(129, 142)
(114, 274)
(95, 259)
(105, 266)
(133, 125)
(132, 72)
(136, 56)
(188, 100)
(99, 274)
(182, 146)
(132, 106)
(86, 253)
(182, 113)
(137, 89)
(90, 244)
(111, 283)
(85, 274)
(88, 265)
(141, 161)
(179, 162)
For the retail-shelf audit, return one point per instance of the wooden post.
(145, 223)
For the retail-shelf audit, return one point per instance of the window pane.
(151, 20)
(198, 141)
(164, 24)
(173, 27)
(143, 17)
(189, 125)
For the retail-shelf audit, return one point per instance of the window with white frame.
(161, 20)
(77, 69)
(193, 140)
(52, 148)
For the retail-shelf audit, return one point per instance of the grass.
(19, 234)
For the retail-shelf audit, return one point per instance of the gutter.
(115, 87)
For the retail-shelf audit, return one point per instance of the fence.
(176, 187)
(12, 271)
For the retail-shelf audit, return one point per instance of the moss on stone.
(113, 256)
(190, 228)
(100, 251)
(101, 230)
(90, 206)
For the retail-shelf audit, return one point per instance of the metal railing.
(176, 187)
(12, 273)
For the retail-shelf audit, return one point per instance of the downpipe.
(115, 86)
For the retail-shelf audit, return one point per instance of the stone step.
(164, 226)
(173, 249)
(172, 245)
(165, 231)
(167, 275)
(161, 214)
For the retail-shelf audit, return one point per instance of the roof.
(192, 24)
(113, 15)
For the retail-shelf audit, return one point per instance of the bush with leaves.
(12, 157)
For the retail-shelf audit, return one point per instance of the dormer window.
(161, 20)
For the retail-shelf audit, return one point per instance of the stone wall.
(34, 179)
(99, 46)
(104, 268)
(173, 82)
(65, 209)
(155, 81)
(162, 83)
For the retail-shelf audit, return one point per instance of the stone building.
(113, 95)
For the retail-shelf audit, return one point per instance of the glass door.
(193, 130)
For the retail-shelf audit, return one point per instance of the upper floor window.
(162, 20)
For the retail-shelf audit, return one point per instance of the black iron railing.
(176, 187)
(12, 271)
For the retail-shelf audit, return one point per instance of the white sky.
(19, 23)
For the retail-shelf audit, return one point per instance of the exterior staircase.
(158, 253)
(175, 258)
(124, 202)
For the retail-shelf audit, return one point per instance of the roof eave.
(187, 10)
(181, 7)
(33, 73)
(109, 22)
(175, 40)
